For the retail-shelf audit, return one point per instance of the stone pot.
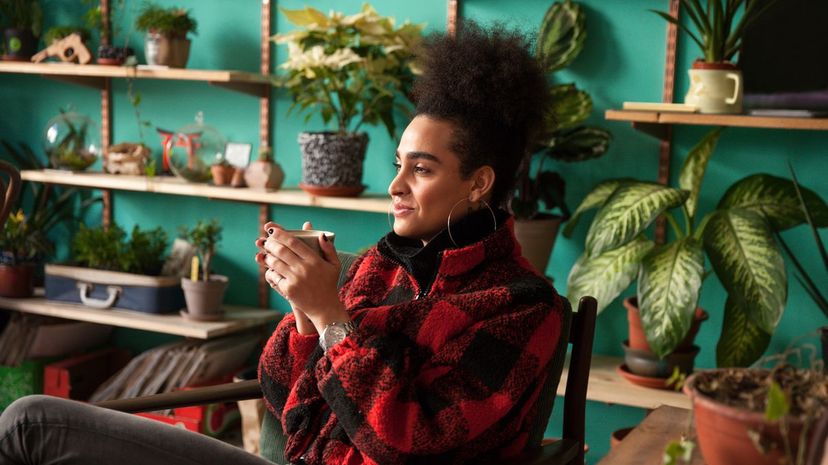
(637, 338)
(724, 432)
(164, 50)
(264, 174)
(537, 238)
(18, 44)
(646, 363)
(204, 298)
(333, 160)
(17, 280)
(715, 88)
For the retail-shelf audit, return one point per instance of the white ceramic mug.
(311, 237)
(715, 90)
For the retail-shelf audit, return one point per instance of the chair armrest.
(556, 453)
(228, 392)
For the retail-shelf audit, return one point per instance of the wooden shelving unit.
(606, 385)
(95, 75)
(175, 186)
(236, 318)
(655, 122)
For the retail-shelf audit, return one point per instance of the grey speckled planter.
(332, 159)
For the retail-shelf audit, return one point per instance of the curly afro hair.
(488, 84)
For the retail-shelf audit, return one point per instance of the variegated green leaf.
(742, 342)
(594, 199)
(569, 108)
(579, 144)
(606, 276)
(562, 35)
(668, 291)
(692, 172)
(305, 17)
(775, 198)
(749, 264)
(628, 212)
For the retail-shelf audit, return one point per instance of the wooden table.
(645, 444)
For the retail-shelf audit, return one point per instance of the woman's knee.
(29, 408)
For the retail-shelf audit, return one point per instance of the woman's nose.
(397, 186)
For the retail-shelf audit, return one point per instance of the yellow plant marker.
(194, 268)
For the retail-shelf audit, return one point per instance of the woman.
(436, 347)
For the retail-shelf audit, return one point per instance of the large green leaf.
(749, 264)
(562, 35)
(569, 108)
(594, 199)
(606, 276)
(579, 144)
(775, 198)
(742, 342)
(668, 291)
(628, 212)
(692, 172)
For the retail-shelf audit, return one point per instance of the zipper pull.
(420, 295)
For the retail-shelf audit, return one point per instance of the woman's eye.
(397, 166)
(421, 170)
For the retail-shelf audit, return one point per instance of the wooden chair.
(579, 326)
(8, 195)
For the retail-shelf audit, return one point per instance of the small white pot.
(715, 88)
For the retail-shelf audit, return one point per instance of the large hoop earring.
(448, 221)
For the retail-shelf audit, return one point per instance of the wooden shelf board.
(235, 80)
(654, 117)
(606, 385)
(175, 186)
(237, 318)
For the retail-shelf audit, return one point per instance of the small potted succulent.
(167, 28)
(264, 173)
(23, 20)
(737, 237)
(203, 290)
(715, 82)
(21, 245)
(564, 137)
(352, 70)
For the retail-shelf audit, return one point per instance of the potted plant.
(737, 238)
(23, 21)
(352, 70)
(564, 137)
(204, 291)
(55, 33)
(167, 28)
(757, 416)
(264, 173)
(715, 82)
(21, 244)
(71, 141)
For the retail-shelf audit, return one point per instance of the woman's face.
(428, 182)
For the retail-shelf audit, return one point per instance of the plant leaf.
(570, 107)
(695, 165)
(777, 405)
(594, 199)
(775, 198)
(579, 144)
(749, 264)
(305, 17)
(741, 342)
(628, 212)
(606, 276)
(668, 291)
(562, 35)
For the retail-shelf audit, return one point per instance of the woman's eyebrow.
(422, 156)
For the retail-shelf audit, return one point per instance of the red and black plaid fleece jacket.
(446, 377)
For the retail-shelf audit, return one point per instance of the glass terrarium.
(194, 148)
(72, 141)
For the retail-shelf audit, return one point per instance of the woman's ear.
(484, 179)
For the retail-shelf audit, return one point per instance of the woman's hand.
(301, 276)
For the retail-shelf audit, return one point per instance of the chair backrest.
(8, 194)
(581, 335)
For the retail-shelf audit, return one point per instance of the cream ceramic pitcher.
(715, 88)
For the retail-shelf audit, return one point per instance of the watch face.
(333, 335)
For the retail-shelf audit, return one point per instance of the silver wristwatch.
(334, 333)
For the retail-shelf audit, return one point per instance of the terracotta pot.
(537, 238)
(331, 159)
(222, 174)
(204, 298)
(724, 432)
(637, 339)
(646, 363)
(264, 174)
(17, 280)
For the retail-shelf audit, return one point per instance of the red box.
(78, 377)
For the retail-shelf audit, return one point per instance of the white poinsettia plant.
(354, 70)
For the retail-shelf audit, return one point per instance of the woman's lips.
(402, 210)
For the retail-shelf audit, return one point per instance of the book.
(660, 106)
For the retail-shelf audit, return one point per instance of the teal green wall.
(623, 60)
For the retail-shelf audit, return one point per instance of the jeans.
(43, 430)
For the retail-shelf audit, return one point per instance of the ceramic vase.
(715, 88)
(265, 175)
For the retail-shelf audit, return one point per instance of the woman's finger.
(294, 245)
(307, 225)
(270, 226)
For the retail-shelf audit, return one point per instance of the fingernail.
(325, 238)
(270, 231)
